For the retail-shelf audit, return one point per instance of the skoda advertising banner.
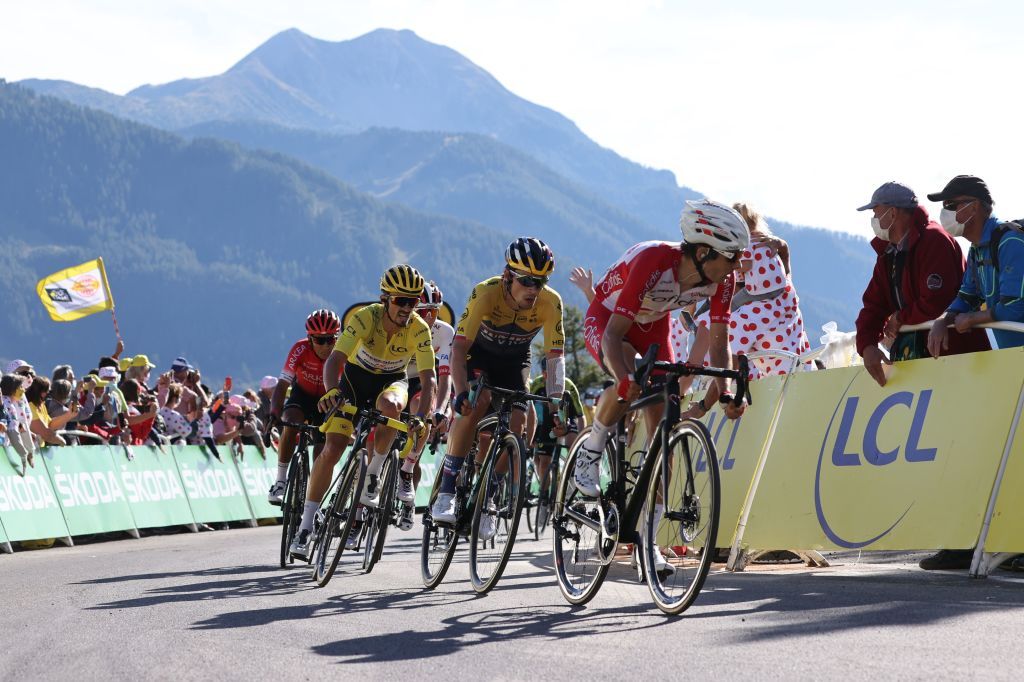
(908, 466)
(258, 474)
(153, 487)
(90, 494)
(212, 486)
(28, 506)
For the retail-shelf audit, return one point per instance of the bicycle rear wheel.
(532, 493)
(499, 503)
(438, 546)
(582, 554)
(379, 519)
(291, 509)
(688, 527)
(340, 515)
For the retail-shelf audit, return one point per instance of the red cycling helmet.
(431, 296)
(323, 322)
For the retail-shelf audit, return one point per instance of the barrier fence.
(822, 461)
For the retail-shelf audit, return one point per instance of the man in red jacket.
(916, 277)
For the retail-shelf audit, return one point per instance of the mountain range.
(293, 178)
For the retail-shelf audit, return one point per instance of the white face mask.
(876, 225)
(947, 218)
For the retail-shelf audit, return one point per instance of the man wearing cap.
(193, 397)
(916, 276)
(967, 212)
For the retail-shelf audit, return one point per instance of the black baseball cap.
(963, 185)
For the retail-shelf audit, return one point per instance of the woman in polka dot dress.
(773, 321)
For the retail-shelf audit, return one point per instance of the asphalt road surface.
(215, 605)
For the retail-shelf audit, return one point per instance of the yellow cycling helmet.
(401, 280)
(531, 256)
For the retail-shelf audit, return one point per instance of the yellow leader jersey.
(365, 342)
(493, 326)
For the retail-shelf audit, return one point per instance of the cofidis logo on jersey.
(870, 451)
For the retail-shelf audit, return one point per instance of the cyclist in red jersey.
(630, 312)
(304, 372)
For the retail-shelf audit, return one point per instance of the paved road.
(214, 606)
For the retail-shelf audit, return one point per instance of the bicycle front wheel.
(500, 492)
(581, 550)
(379, 519)
(438, 546)
(341, 514)
(681, 518)
(291, 509)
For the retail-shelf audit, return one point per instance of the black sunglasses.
(323, 340)
(26, 373)
(405, 301)
(531, 281)
(955, 204)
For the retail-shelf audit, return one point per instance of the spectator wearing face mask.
(917, 272)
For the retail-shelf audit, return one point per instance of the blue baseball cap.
(892, 193)
(181, 363)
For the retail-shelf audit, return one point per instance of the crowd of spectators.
(116, 402)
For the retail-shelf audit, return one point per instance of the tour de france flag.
(76, 292)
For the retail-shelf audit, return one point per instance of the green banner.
(89, 493)
(213, 487)
(28, 506)
(3, 535)
(258, 474)
(153, 487)
(428, 466)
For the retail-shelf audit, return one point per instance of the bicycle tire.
(339, 520)
(438, 545)
(578, 586)
(382, 515)
(485, 570)
(291, 510)
(690, 518)
(529, 510)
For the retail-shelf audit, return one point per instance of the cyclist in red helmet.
(304, 373)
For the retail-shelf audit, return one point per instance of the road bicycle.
(295, 489)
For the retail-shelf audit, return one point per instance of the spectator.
(41, 422)
(993, 278)
(113, 405)
(194, 399)
(64, 411)
(267, 386)
(142, 411)
(19, 403)
(916, 275)
(63, 372)
(967, 212)
(18, 430)
(176, 426)
(238, 424)
(766, 309)
(138, 369)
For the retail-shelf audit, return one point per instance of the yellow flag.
(76, 292)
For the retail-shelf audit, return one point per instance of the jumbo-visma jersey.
(365, 342)
(494, 327)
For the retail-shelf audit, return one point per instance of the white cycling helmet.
(713, 224)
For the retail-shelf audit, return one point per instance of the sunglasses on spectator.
(530, 281)
(323, 340)
(26, 373)
(405, 301)
(955, 204)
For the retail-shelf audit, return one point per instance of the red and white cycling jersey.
(642, 285)
(304, 369)
(441, 337)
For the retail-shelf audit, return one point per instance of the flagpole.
(110, 297)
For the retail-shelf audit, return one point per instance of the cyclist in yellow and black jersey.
(503, 316)
(374, 349)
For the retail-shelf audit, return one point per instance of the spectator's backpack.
(997, 235)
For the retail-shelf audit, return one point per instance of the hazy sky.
(801, 108)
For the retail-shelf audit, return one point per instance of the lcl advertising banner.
(908, 466)
(1006, 534)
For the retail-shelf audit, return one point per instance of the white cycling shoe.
(587, 472)
(443, 509)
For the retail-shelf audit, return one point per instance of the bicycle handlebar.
(649, 362)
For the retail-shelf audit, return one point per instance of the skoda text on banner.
(258, 474)
(88, 490)
(76, 292)
(908, 466)
(28, 506)
(1006, 534)
(213, 487)
(153, 487)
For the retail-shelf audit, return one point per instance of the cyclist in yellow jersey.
(375, 348)
(503, 316)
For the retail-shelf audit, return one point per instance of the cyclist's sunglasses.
(530, 281)
(728, 255)
(955, 204)
(323, 340)
(405, 301)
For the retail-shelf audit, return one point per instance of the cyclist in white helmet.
(631, 308)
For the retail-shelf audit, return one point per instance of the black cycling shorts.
(306, 402)
(511, 373)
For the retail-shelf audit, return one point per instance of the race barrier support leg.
(6, 548)
(982, 562)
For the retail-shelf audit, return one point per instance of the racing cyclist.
(304, 373)
(503, 316)
(441, 334)
(630, 312)
(371, 356)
